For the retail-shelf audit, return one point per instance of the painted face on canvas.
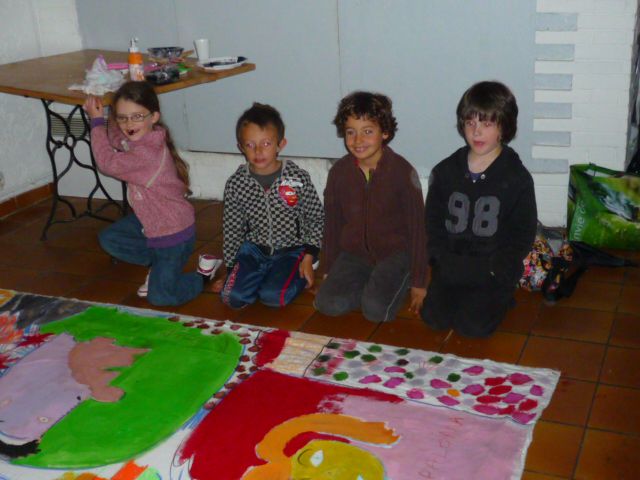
(134, 120)
(260, 147)
(364, 139)
(482, 136)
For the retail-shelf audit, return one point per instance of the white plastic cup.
(202, 49)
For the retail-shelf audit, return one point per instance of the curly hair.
(491, 101)
(372, 106)
(262, 115)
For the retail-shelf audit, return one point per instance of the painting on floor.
(102, 392)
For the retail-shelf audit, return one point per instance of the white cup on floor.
(202, 49)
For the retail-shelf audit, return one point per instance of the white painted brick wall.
(599, 94)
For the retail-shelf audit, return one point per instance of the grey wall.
(422, 53)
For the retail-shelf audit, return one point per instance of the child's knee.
(376, 311)
(235, 299)
(332, 305)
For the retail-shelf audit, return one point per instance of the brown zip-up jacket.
(378, 218)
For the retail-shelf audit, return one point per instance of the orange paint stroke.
(453, 392)
(271, 448)
(130, 471)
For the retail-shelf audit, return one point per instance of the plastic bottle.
(136, 68)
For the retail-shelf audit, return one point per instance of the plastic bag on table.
(99, 79)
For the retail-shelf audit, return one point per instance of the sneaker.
(143, 290)
(208, 265)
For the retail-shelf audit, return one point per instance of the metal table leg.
(69, 141)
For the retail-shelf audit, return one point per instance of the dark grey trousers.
(378, 290)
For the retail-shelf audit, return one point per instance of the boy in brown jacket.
(374, 233)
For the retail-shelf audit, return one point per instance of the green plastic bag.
(604, 207)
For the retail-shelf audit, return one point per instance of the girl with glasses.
(160, 233)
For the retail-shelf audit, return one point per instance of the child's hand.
(306, 269)
(216, 286)
(93, 107)
(417, 298)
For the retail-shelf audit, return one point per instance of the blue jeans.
(274, 279)
(168, 285)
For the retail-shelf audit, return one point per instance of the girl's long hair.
(142, 93)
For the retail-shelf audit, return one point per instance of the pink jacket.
(154, 190)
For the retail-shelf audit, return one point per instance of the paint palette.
(222, 63)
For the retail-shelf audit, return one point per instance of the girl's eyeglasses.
(135, 117)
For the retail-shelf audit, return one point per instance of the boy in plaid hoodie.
(272, 220)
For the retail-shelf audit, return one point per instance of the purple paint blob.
(393, 382)
(537, 390)
(473, 389)
(447, 400)
(522, 417)
(437, 383)
(370, 379)
(519, 378)
(475, 370)
(415, 393)
(513, 397)
(486, 409)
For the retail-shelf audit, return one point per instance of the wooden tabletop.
(49, 78)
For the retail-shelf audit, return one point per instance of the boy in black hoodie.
(480, 217)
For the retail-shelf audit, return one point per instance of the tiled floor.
(591, 430)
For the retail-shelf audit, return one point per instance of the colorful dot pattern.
(482, 387)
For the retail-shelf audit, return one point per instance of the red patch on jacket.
(288, 194)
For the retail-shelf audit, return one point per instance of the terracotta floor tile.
(571, 402)
(7, 226)
(292, 317)
(607, 455)
(621, 367)
(410, 333)
(524, 296)
(594, 295)
(14, 278)
(633, 276)
(38, 212)
(603, 274)
(574, 323)
(540, 476)
(305, 298)
(125, 272)
(554, 449)
(616, 409)
(27, 234)
(134, 301)
(626, 331)
(56, 284)
(208, 305)
(576, 360)
(521, 318)
(501, 347)
(82, 262)
(103, 291)
(75, 238)
(352, 325)
(630, 300)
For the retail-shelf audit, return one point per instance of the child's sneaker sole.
(208, 265)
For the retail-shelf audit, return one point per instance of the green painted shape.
(324, 358)
(453, 377)
(163, 388)
(319, 370)
(340, 376)
(368, 358)
(150, 474)
(436, 359)
(351, 354)
(333, 345)
(409, 375)
(375, 348)
(402, 351)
